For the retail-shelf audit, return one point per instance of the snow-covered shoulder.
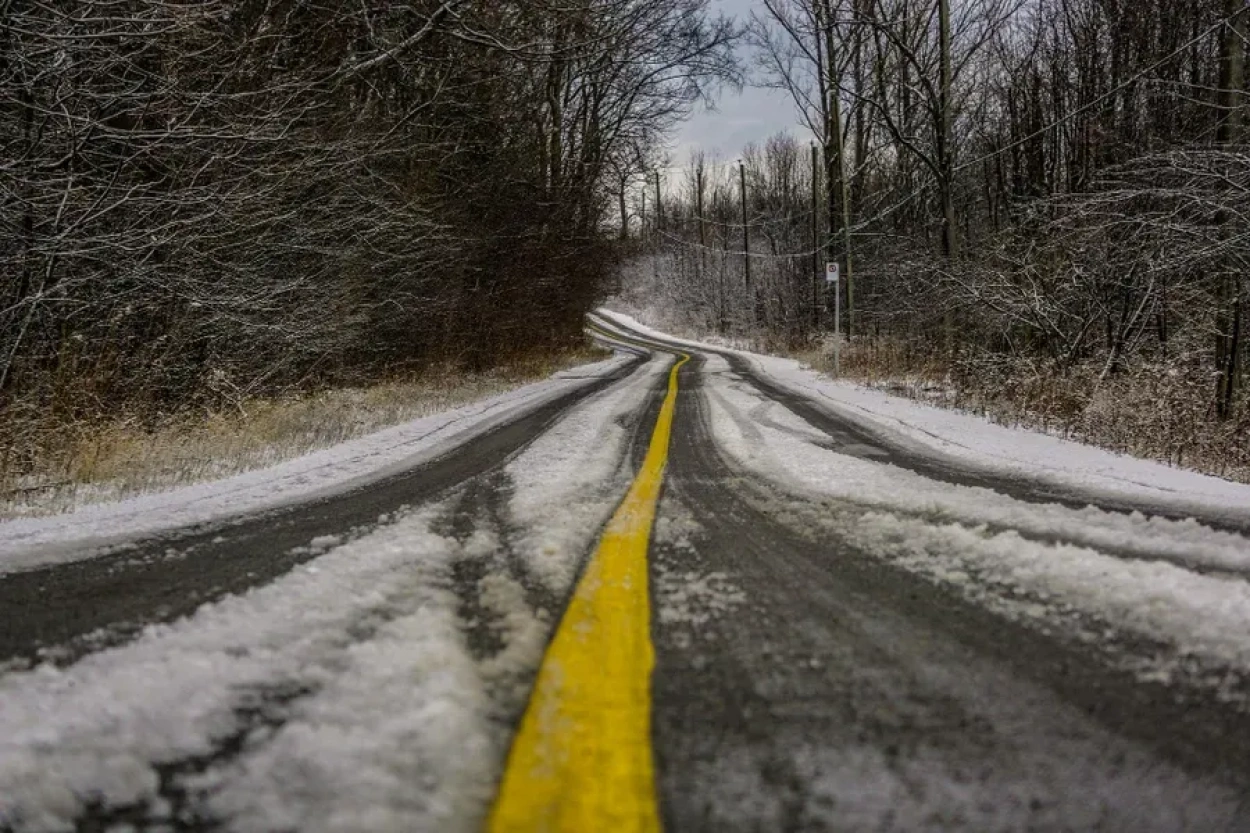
(977, 441)
(26, 543)
(345, 694)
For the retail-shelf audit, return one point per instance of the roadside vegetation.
(1038, 209)
(119, 457)
(1156, 410)
(217, 208)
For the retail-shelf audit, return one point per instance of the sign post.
(833, 274)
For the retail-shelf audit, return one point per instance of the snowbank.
(975, 441)
(372, 716)
(26, 543)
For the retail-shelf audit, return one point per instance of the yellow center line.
(609, 335)
(581, 760)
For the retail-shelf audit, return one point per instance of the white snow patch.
(972, 439)
(567, 482)
(26, 543)
(694, 599)
(388, 725)
(482, 542)
(524, 632)
(396, 742)
(676, 527)
(325, 542)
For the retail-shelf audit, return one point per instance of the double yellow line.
(582, 759)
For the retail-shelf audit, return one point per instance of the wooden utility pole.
(945, 148)
(1228, 133)
(746, 234)
(835, 162)
(659, 204)
(642, 214)
(817, 276)
(703, 229)
(698, 199)
(698, 202)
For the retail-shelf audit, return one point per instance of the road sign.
(832, 274)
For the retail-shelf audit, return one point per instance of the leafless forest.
(1044, 204)
(205, 200)
(1041, 203)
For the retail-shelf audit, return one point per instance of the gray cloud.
(739, 118)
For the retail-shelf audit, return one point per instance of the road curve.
(798, 661)
(807, 685)
(60, 612)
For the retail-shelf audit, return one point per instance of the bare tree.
(1038, 188)
(201, 202)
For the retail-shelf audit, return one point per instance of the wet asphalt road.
(800, 683)
(824, 690)
(60, 612)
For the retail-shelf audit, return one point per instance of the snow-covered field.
(343, 696)
(31, 542)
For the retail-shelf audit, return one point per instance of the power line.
(757, 220)
(689, 166)
(985, 158)
(739, 253)
(1011, 146)
(1088, 105)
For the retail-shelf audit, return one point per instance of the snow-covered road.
(867, 614)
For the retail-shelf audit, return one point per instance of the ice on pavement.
(26, 543)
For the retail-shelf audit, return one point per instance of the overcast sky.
(739, 119)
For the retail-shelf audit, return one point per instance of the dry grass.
(1159, 410)
(89, 463)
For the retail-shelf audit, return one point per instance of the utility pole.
(698, 202)
(659, 204)
(835, 161)
(950, 245)
(817, 279)
(1228, 133)
(746, 234)
(845, 198)
(698, 198)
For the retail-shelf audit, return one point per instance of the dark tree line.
(208, 199)
(1013, 187)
